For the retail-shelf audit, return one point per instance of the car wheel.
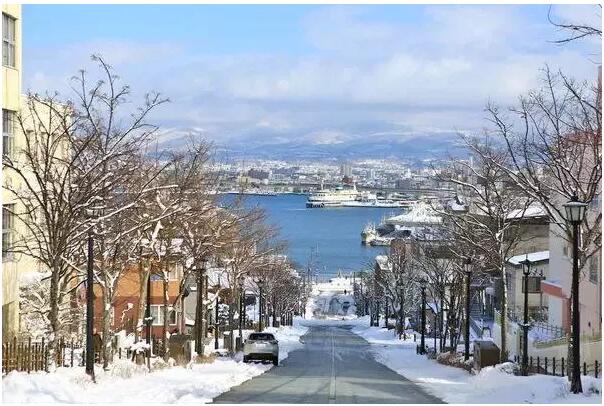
(275, 361)
(246, 359)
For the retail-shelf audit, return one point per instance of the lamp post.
(216, 323)
(526, 270)
(468, 272)
(575, 213)
(90, 302)
(423, 339)
(260, 284)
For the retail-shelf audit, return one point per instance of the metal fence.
(557, 366)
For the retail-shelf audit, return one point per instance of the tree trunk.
(199, 314)
(53, 318)
(504, 315)
(142, 289)
(166, 312)
(106, 339)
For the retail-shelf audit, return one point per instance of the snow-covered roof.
(532, 256)
(531, 211)
(420, 213)
(382, 261)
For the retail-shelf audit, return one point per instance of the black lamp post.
(575, 213)
(423, 339)
(468, 271)
(526, 270)
(260, 284)
(90, 302)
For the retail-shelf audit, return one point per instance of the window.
(8, 130)
(157, 312)
(593, 269)
(8, 223)
(534, 284)
(8, 40)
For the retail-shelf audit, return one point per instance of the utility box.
(180, 348)
(486, 353)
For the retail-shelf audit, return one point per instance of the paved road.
(335, 366)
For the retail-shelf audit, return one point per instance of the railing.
(564, 340)
(553, 332)
(557, 367)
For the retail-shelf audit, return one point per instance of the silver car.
(261, 346)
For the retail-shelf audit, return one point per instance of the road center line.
(332, 383)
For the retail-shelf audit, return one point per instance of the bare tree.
(575, 30)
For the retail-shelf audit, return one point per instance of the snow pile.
(126, 382)
(454, 385)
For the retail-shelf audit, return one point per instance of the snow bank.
(126, 382)
(454, 385)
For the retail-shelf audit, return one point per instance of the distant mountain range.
(412, 147)
(408, 147)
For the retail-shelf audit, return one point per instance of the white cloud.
(361, 76)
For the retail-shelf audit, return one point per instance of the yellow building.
(11, 100)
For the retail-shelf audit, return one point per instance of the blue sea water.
(333, 234)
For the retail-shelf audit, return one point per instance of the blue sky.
(325, 74)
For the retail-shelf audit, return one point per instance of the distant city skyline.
(324, 76)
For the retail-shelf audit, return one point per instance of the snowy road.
(334, 366)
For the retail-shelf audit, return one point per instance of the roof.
(539, 256)
(531, 211)
(420, 213)
(382, 261)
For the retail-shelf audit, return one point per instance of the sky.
(329, 74)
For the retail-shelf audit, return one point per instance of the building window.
(8, 40)
(8, 224)
(8, 131)
(157, 312)
(534, 284)
(593, 269)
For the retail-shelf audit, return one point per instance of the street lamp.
(526, 270)
(468, 271)
(423, 339)
(575, 213)
(216, 320)
(260, 284)
(90, 299)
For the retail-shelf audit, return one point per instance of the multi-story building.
(11, 139)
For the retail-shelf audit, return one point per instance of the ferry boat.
(332, 197)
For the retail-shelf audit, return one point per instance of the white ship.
(368, 234)
(332, 197)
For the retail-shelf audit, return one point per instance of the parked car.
(262, 347)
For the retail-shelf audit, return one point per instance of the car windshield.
(261, 337)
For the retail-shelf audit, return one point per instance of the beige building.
(11, 100)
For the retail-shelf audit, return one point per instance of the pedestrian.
(97, 344)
